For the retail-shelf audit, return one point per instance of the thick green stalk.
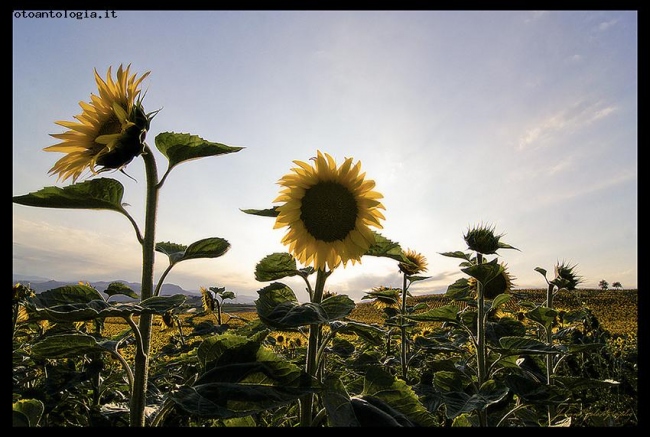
(549, 357)
(403, 329)
(311, 364)
(481, 348)
(141, 368)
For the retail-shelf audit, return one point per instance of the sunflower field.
(482, 355)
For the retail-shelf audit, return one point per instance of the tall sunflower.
(328, 211)
(109, 132)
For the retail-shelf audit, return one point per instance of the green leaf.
(459, 402)
(447, 313)
(242, 378)
(77, 312)
(65, 346)
(206, 248)
(184, 147)
(457, 254)
(541, 271)
(542, 315)
(524, 345)
(101, 193)
(67, 294)
(370, 334)
(115, 288)
(395, 393)
(271, 212)
(276, 266)
(337, 307)
(278, 307)
(383, 247)
(485, 272)
(30, 412)
(459, 290)
(500, 300)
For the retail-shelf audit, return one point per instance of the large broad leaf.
(65, 346)
(459, 290)
(337, 307)
(531, 391)
(384, 247)
(395, 393)
(542, 315)
(101, 193)
(207, 248)
(243, 378)
(27, 412)
(447, 313)
(276, 266)
(524, 345)
(77, 312)
(80, 293)
(278, 307)
(115, 288)
(459, 402)
(485, 272)
(370, 334)
(184, 147)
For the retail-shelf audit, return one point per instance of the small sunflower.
(109, 132)
(418, 263)
(329, 211)
(566, 276)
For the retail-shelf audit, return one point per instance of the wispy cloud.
(607, 24)
(565, 121)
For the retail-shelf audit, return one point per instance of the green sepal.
(271, 212)
(181, 147)
(101, 193)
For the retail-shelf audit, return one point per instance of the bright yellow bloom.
(418, 263)
(328, 211)
(109, 132)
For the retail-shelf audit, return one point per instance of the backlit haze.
(524, 120)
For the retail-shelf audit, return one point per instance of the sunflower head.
(207, 299)
(328, 211)
(385, 297)
(109, 132)
(566, 276)
(482, 239)
(418, 263)
(502, 283)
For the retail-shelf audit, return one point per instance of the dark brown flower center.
(329, 211)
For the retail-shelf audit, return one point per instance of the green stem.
(481, 350)
(311, 364)
(549, 342)
(141, 370)
(403, 331)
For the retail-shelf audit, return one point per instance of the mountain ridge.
(40, 284)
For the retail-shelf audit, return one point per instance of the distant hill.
(39, 285)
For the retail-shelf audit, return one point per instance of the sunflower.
(418, 263)
(328, 211)
(109, 132)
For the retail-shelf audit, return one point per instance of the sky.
(525, 121)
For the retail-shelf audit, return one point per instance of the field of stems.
(85, 387)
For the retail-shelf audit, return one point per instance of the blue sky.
(525, 120)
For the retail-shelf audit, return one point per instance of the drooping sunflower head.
(109, 132)
(418, 263)
(328, 211)
(502, 283)
(207, 299)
